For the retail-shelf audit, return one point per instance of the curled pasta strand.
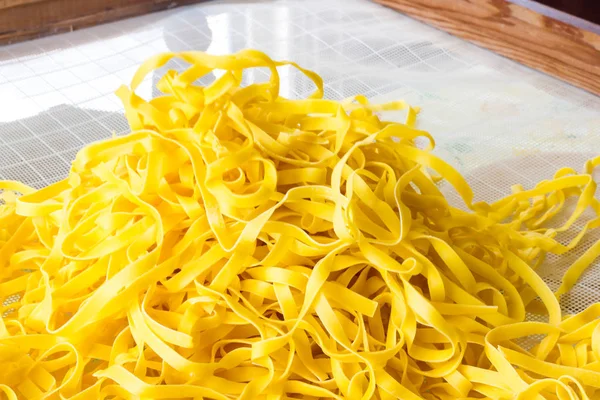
(239, 244)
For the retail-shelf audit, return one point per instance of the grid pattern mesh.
(498, 122)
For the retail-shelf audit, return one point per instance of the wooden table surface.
(28, 19)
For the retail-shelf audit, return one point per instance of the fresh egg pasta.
(241, 245)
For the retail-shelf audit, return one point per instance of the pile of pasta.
(239, 244)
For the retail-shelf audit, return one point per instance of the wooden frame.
(28, 19)
(528, 32)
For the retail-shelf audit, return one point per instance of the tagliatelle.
(237, 244)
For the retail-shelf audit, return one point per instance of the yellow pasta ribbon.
(241, 245)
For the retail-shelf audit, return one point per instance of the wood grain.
(546, 44)
(28, 19)
(15, 3)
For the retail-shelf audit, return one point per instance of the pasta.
(238, 244)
